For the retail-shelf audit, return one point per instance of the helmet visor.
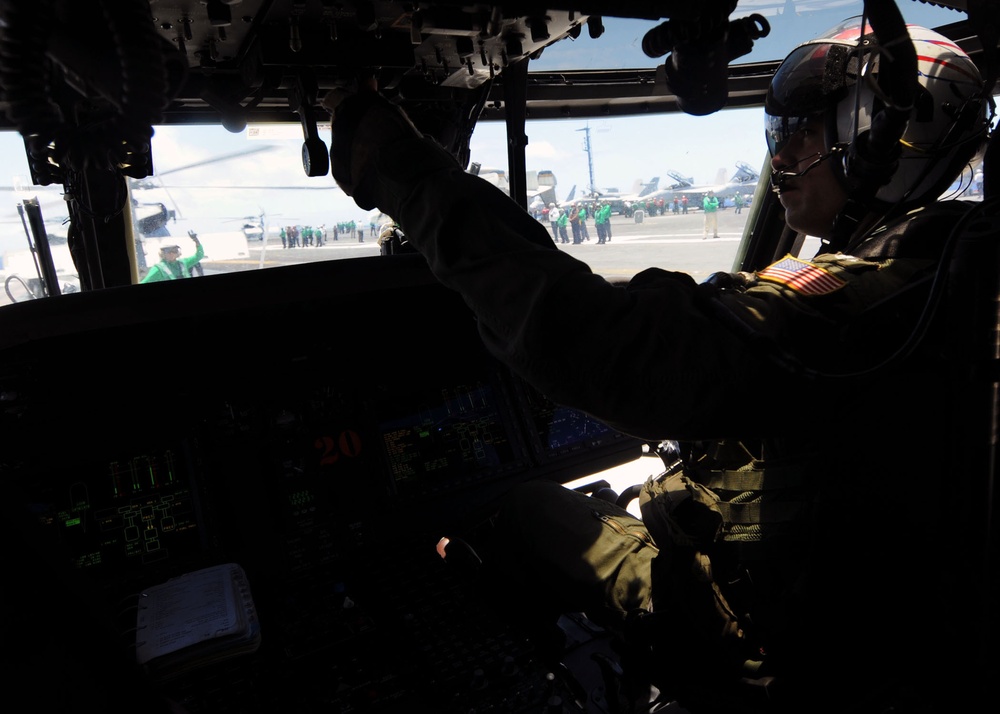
(779, 130)
(811, 80)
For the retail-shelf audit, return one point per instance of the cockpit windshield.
(247, 198)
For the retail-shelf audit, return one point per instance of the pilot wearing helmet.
(172, 266)
(798, 553)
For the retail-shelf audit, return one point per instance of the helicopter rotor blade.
(218, 159)
(265, 188)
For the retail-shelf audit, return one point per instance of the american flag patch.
(801, 276)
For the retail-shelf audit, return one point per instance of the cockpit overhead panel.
(227, 59)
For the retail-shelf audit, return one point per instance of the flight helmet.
(836, 76)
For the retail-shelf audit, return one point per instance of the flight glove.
(363, 124)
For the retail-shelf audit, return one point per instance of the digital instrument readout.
(455, 436)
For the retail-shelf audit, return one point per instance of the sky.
(622, 150)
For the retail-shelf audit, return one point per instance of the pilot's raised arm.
(662, 355)
(583, 341)
(797, 358)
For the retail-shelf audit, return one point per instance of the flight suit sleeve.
(657, 358)
(199, 253)
(836, 316)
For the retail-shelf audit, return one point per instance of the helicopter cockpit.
(306, 414)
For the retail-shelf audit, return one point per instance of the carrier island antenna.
(590, 158)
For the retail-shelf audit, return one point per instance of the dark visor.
(780, 129)
(812, 79)
(809, 83)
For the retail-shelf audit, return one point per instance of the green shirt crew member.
(561, 223)
(172, 266)
(602, 219)
(584, 235)
(710, 205)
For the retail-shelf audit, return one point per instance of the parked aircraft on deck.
(640, 189)
(743, 181)
(538, 203)
(541, 184)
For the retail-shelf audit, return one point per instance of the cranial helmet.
(836, 76)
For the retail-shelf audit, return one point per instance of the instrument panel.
(324, 442)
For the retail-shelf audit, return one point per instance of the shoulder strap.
(918, 234)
